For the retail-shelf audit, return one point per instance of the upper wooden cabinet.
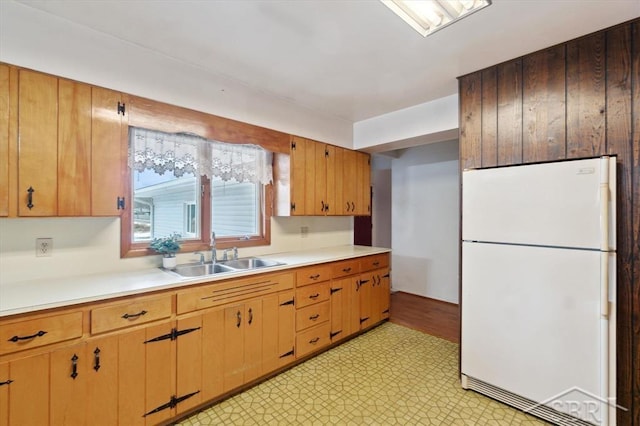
(4, 139)
(70, 147)
(324, 180)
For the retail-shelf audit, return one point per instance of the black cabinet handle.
(133, 316)
(314, 296)
(96, 359)
(323, 207)
(314, 317)
(314, 341)
(15, 339)
(348, 207)
(6, 382)
(314, 277)
(353, 206)
(376, 263)
(74, 366)
(238, 319)
(345, 270)
(250, 316)
(30, 192)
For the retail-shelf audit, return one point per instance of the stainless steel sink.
(250, 263)
(192, 270)
(198, 270)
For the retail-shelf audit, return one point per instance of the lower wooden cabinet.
(94, 365)
(25, 391)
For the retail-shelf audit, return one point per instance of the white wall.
(381, 205)
(34, 39)
(426, 214)
(92, 245)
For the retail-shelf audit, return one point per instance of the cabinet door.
(352, 293)
(101, 368)
(363, 185)
(311, 200)
(189, 363)
(233, 347)
(365, 290)
(286, 327)
(349, 175)
(318, 179)
(74, 148)
(68, 390)
(29, 391)
(381, 295)
(109, 153)
(159, 373)
(252, 324)
(131, 378)
(38, 136)
(339, 309)
(335, 182)
(5, 382)
(278, 333)
(213, 353)
(4, 143)
(298, 171)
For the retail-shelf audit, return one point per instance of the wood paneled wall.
(577, 99)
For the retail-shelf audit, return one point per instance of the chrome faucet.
(214, 257)
(235, 253)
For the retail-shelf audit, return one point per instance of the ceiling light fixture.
(428, 16)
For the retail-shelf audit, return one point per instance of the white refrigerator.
(538, 288)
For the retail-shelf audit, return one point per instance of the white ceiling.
(348, 59)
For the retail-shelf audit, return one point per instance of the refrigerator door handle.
(604, 236)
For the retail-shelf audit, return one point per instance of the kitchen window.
(190, 185)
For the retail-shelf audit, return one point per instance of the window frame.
(155, 115)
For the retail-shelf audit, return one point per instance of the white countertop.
(31, 296)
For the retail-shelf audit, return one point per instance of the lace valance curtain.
(180, 153)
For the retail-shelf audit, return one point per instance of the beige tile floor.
(391, 375)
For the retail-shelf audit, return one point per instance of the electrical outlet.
(304, 231)
(44, 247)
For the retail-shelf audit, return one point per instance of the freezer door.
(531, 321)
(551, 204)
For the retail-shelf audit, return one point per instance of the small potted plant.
(167, 247)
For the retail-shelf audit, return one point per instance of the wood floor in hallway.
(435, 317)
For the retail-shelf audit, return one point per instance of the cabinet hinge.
(334, 290)
(293, 207)
(363, 319)
(386, 311)
(288, 302)
(172, 335)
(7, 382)
(290, 353)
(173, 402)
(121, 108)
(293, 145)
(334, 333)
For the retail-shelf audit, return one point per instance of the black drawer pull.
(33, 336)
(314, 296)
(30, 197)
(132, 316)
(74, 366)
(314, 317)
(96, 359)
(314, 277)
(376, 263)
(314, 341)
(345, 270)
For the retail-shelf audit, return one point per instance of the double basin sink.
(236, 265)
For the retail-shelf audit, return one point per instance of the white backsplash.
(84, 246)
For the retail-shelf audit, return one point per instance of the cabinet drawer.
(311, 294)
(312, 315)
(32, 333)
(113, 317)
(377, 261)
(345, 268)
(232, 290)
(312, 340)
(313, 275)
